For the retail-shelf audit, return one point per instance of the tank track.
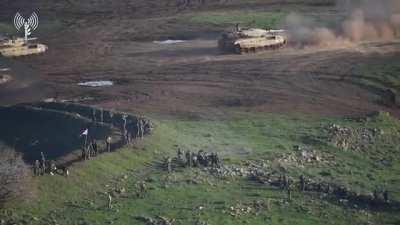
(239, 50)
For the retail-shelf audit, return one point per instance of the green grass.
(254, 19)
(80, 198)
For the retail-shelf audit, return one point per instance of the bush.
(14, 174)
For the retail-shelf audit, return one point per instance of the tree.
(14, 174)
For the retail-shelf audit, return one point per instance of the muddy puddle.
(55, 129)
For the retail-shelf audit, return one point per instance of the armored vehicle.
(251, 40)
(20, 47)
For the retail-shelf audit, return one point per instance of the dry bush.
(14, 174)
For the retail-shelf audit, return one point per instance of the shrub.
(14, 174)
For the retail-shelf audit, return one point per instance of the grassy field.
(270, 20)
(191, 196)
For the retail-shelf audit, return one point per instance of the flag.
(85, 132)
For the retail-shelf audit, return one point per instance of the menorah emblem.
(29, 25)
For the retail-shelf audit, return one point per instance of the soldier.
(376, 195)
(181, 157)
(189, 159)
(194, 160)
(289, 192)
(212, 159)
(36, 168)
(101, 115)
(108, 143)
(302, 183)
(169, 164)
(42, 163)
(328, 188)
(208, 159)
(52, 168)
(147, 126)
(237, 27)
(179, 154)
(128, 136)
(83, 153)
(87, 152)
(386, 196)
(284, 182)
(124, 122)
(141, 189)
(200, 157)
(141, 129)
(94, 147)
(138, 128)
(217, 161)
(109, 200)
(93, 115)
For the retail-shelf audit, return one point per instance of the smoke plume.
(364, 20)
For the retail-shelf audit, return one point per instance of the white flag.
(85, 132)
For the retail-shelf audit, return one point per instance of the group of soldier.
(191, 159)
(379, 196)
(44, 166)
(92, 149)
(130, 131)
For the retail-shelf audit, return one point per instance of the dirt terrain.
(115, 43)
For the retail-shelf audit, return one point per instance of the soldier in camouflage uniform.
(36, 168)
(217, 161)
(124, 129)
(42, 163)
(386, 196)
(194, 160)
(108, 143)
(93, 115)
(302, 183)
(179, 154)
(169, 164)
(94, 147)
(200, 157)
(141, 128)
(141, 189)
(109, 200)
(52, 167)
(289, 190)
(189, 159)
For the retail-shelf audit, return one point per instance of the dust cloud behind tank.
(251, 40)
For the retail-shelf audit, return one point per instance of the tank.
(251, 40)
(20, 47)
